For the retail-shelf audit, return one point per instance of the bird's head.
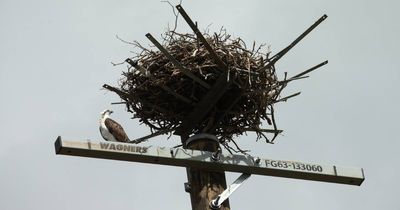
(106, 112)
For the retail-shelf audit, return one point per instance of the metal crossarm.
(203, 160)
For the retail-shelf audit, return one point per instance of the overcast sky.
(55, 56)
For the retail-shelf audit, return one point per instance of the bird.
(111, 130)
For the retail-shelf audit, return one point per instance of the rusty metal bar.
(138, 67)
(213, 96)
(280, 54)
(205, 105)
(221, 65)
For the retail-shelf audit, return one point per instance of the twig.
(287, 97)
(310, 70)
(175, 13)
(144, 138)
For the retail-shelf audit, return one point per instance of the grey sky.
(55, 56)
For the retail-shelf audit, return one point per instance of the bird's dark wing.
(116, 130)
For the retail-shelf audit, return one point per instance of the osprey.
(111, 130)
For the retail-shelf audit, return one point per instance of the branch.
(309, 70)
(157, 133)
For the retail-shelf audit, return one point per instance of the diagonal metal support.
(221, 65)
(176, 63)
(280, 54)
(205, 105)
(229, 101)
(216, 203)
(218, 90)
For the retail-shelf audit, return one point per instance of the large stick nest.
(161, 95)
(205, 83)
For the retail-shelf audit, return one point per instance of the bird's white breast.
(104, 131)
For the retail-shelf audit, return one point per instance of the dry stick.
(176, 14)
(291, 79)
(157, 133)
(127, 96)
(239, 149)
(134, 43)
(309, 70)
(114, 103)
(176, 63)
(278, 84)
(261, 130)
(228, 148)
(259, 134)
(297, 77)
(287, 97)
(273, 123)
(166, 88)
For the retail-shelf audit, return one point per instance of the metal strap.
(216, 203)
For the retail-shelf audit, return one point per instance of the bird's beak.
(111, 111)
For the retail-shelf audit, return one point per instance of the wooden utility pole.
(204, 185)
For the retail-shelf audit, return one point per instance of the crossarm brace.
(216, 203)
(280, 54)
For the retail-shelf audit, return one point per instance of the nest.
(164, 86)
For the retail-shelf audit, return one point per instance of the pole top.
(205, 139)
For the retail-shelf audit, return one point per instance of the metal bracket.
(216, 203)
(188, 187)
(216, 156)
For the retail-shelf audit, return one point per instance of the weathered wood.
(205, 185)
